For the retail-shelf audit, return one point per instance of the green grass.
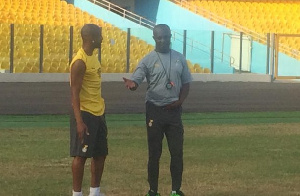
(226, 154)
(117, 120)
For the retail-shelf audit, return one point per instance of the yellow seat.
(120, 67)
(46, 66)
(207, 70)
(198, 68)
(4, 63)
(190, 66)
(32, 66)
(18, 69)
(53, 67)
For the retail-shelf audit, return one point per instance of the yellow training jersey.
(90, 95)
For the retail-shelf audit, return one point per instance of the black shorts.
(95, 144)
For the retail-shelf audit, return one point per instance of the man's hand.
(184, 91)
(173, 105)
(81, 130)
(130, 84)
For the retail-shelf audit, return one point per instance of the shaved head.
(161, 27)
(91, 36)
(162, 37)
(90, 30)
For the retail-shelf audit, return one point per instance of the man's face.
(97, 40)
(162, 38)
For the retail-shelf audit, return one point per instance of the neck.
(88, 50)
(163, 51)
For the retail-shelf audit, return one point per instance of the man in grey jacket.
(168, 79)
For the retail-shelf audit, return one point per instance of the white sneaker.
(100, 194)
(77, 193)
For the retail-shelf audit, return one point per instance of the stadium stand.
(254, 17)
(57, 17)
(4, 49)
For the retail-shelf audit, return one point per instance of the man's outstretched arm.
(130, 84)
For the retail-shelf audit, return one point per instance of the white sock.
(94, 191)
(77, 193)
(173, 192)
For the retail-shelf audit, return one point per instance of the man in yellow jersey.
(88, 131)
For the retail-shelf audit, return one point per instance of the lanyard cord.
(168, 77)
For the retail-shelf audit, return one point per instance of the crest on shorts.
(150, 123)
(85, 147)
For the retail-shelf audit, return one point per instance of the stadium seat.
(265, 16)
(56, 16)
(206, 70)
(46, 67)
(33, 66)
(198, 68)
(190, 66)
(4, 63)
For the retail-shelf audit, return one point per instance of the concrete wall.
(25, 98)
(147, 9)
(105, 15)
(128, 4)
(117, 77)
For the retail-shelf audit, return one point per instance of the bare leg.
(78, 170)
(97, 166)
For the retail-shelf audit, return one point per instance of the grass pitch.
(232, 154)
